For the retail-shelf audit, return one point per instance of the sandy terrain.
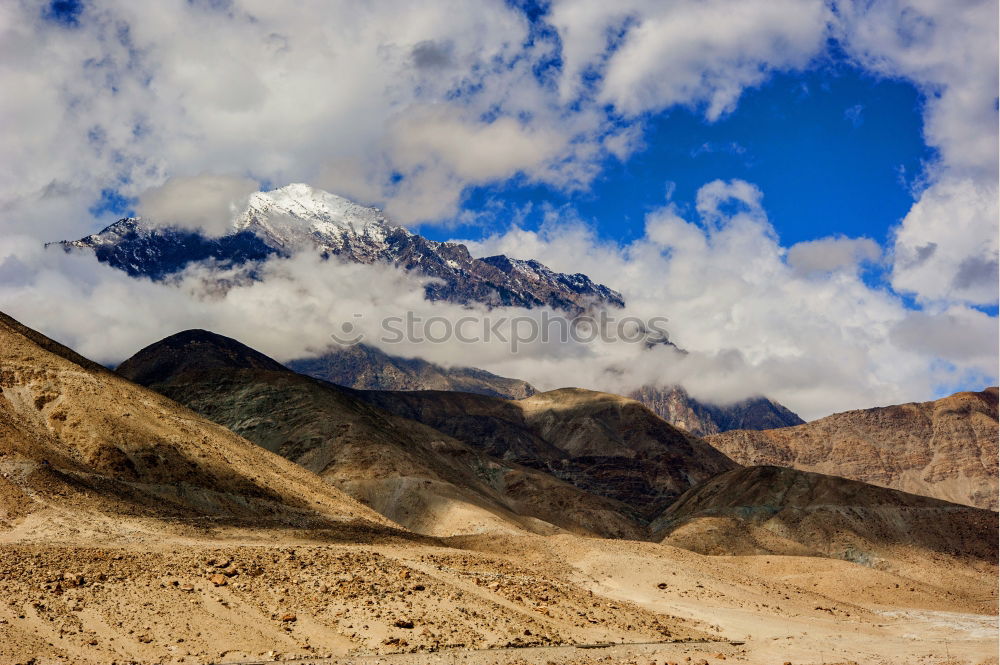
(228, 596)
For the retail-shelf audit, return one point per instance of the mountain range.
(598, 446)
(420, 477)
(537, 457)
(368, 368)
(295, 217)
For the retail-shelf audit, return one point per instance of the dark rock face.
(190, 351)
(608, 445)
(297, 217)
(674, 405)
(142, 251)
(367, 368)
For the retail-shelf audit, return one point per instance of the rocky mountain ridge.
(298, 217)
(368, 368)
(677, 407)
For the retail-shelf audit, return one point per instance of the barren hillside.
(945, 449)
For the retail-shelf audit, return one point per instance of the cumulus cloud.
(442, 152)
(946, 248)
(829, 254)
(207, 203)
(395, 103)
(957, 335)
(654, 55)
(134, 94)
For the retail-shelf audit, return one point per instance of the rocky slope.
(296, 217)
(605, 444)
(76, 438)
(945, 449)
(674, 405)
(771, 510)
(367, 368)
(417, 476)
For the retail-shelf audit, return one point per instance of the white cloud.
(801, 327)
(140, 92)
(946, 248)
(656, 54)
(208, 203)
(957, 335)
(439, 152)
(397, 103)
(830, 254)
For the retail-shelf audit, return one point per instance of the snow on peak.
(299, 214)
(307, 203)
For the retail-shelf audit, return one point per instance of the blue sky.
(834, 149)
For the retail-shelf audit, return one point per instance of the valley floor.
(232, 596)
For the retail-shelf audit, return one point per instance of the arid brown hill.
(83, 450)
(771, 510)
(416, 475)
(945, 449)
(606, 444)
